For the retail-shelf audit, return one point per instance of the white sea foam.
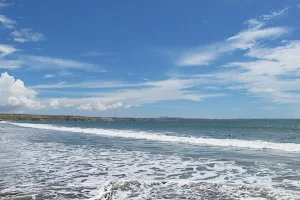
(185, 189)
(253, 144)
(68, 171)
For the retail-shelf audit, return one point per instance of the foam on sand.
(253, 144)
(184, 189)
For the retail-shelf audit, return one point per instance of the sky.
(176, 58)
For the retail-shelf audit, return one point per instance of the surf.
(142, 135)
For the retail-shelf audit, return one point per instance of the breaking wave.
(253, 144)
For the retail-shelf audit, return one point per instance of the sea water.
(192, 159)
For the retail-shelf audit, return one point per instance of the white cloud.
(23, 101)
(54, 104)
(51, 62)
(254, 23)
(146, 93)
(10, 64)
(151, 92)
(273, 73)
(244, 40)
(15, 96)
(241, 41)
(49, 75)
(6, 22)
(212, 87)
(197, 58)
(2, 4)
(280, 60)
(27, 35)
(96, 53)
(89, 84)
(128, 106)
(54, 75)
(98, 106)
(274, 14)
(65, 73)
(6, 49)
(205, 21)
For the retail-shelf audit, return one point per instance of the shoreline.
(35, 117)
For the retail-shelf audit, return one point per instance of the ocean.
(193, 159)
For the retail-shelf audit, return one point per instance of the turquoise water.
(204, 159)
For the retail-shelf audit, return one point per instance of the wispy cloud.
(10, 64)
(205, 21)
(3, 4)
(49, 75)
(273, 73)
(96, 54)
(27, 35)
(7, 22)
(65, 73)
(267, 108)
(151, 92)
(241, 41)
(170, 89)
(51, 63)
(7, 49)
(89, 84)
(62, 73)
(270, 71)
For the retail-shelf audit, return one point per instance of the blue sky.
(210, 59)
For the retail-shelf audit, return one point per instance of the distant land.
(29, 117)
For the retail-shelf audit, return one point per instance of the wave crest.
(253, 144)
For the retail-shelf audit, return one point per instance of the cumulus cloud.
(27, 35)
(54, 104)
(98, 106)
(15, 96)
